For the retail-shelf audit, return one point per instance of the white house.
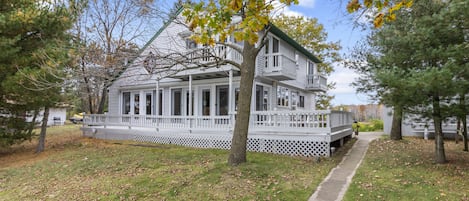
(418, 128)
(195, 105)
(57, 116)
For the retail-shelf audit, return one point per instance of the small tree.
(106, 34)
(34, 33)
(418, 60)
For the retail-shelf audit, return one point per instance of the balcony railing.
(316, 83)
(279, 67)
(323, 121)
(211, 54)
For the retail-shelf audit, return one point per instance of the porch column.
(230, 96)
(142, 103)
(157, 101)
(274, 96)
(230, 91)
(190, 96)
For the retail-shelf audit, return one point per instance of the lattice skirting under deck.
(286, 145)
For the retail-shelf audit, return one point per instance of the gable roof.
(273, 29)
(140, 51)
(278, 32)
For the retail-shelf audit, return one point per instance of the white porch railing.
(280, 66)
(211, 54)
(316, 82)
(325, 121)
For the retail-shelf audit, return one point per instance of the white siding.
(260, 62)
(114, 101)
(59, 114)
(172, 39)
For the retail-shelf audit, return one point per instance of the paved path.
(336, 183)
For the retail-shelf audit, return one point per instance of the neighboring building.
(205, 99)
(57, 116)
(412, 127)
(365, 112)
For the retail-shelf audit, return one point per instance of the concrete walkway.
(336, 183)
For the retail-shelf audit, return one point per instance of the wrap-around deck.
(305, 133)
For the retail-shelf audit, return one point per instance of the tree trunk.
(464, 133)
(463, 118)
(33, 123)
(240, 133)
(396, 129)
(102, 101)
(440, 156)
(88, 89)
(458, 131)
(42, 135)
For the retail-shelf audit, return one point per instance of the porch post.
(157, 104)
(230, 96)
(157, 101)
(190, 95)
(190, 103)
(230, 91)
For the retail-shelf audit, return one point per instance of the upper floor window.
(190, 44)
(310, 68)
(272, 45)
(275, 45)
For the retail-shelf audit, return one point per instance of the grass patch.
(404, 170)
(76, 168)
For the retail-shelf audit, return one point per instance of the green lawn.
(405, 170)
(76, 168)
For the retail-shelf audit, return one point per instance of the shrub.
(373, 125)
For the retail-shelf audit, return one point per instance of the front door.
(222, 100)
(149, 103)
(176, 106)
(262, 98)
(205, 104)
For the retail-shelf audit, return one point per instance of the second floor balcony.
(279, 67)
(316, 82)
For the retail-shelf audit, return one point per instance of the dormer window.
(149, 62)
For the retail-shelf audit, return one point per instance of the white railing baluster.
(322, 121)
